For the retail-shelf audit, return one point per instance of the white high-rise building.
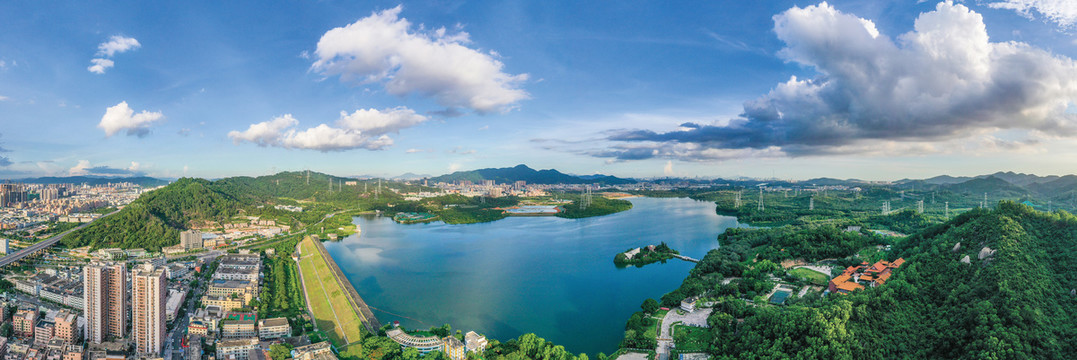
(4, 246)
(149, 291)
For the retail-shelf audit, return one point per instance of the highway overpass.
(41, 245)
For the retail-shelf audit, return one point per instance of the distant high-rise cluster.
(12, 193)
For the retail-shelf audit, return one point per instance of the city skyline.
(633, 90)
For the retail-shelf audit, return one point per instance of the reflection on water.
(551, 276)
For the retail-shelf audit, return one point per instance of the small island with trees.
(644, 255)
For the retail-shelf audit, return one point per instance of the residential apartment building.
(191, 239)
(238, 329)
(246, 290)
(454, 348)
(236, 349)
(475, 342)
(148, 294)
(223, 302)
(316, 351)
(24, 322)
(105, 291)
(67, 326)
(274, 328)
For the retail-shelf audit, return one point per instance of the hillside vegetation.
(1013, 299)
(155, 219)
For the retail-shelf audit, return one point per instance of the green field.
(689, 338)
(333, 312)
(812, 276)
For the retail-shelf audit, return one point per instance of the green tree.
(650, 306)
(6, 330)
(280, 351)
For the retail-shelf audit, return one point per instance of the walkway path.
(665, 336)
(685, 258)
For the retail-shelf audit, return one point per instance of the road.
(174, 340)
(19, 255)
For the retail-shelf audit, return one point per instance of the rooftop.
(274, 322)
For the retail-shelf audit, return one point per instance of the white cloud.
(382, 48)
(942, 81)
(80, 168)
(363, 129)
(266, 133)
(135, 166)
(326, 138)
(100, 65)
(375, 122)
(668, 169)
(1061, 12)
(122, 118)
(4, 98)
(117, 44)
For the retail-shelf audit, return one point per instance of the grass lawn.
(327, 299)
(690, 338)
(651, 330)
(814, 277)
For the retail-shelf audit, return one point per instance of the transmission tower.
(585, 197)
(736, 201)
(811, 203)
(308, 177)
(1049, 206)
(985, 200)
(920, 207)
(886, 208)
(947, 209)
(761, 207)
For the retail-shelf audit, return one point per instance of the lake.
(551, 276)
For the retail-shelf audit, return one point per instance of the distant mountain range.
(531, 176)
(94, 180)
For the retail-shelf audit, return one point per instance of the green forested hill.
(155, 219)
(1016, 303)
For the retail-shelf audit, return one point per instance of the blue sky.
(872, 90)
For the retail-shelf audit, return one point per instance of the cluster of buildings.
(225, 318)
(453, 347)
(26, 205)
(41, 336)
(485, 188)
(863, 275)
(228, 235)
(59, 285)
(117, 306)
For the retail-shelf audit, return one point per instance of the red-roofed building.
(857, 277)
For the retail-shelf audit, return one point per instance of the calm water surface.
(551, 276)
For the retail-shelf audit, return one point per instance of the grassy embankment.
(332, 310)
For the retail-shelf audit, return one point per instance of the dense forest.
(988, 284)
